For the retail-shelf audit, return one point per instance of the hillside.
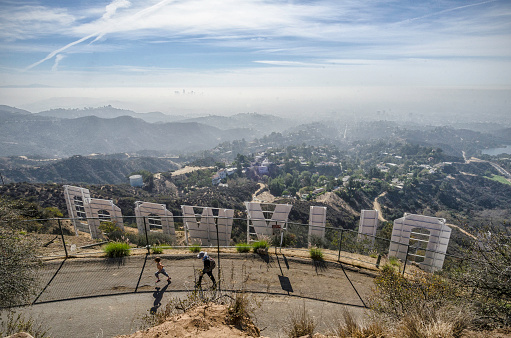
(90, 170)
(32, 134)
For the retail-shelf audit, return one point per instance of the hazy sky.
(253, 55)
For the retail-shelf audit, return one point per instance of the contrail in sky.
(98, 34)
(445, 11)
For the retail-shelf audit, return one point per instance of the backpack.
(212, 263)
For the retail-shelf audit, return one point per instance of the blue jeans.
(163, 272)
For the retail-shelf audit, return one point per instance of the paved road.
(281, 283)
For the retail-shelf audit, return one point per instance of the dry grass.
(445, 323)
(301, 324)
(350, 328)
(239, 314)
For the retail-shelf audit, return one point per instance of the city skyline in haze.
(280, 57)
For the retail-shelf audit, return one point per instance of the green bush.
(289, 240)
(195, 248)
(260, 246)
(243, 247)
(394, 261)
(111, 231)
(117, 249)
(316, 254)
(156, 250)
(319, 242)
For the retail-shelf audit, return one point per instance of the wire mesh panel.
(295, 236)
(91, 277)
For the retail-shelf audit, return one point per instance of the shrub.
(423, 305)
(486, 277)
(18, 258)
(155, 238)
(289, 240)
(112, 231)
(156, 250)
(301, 324)
(373, 253)
(394, 261)
(117, 249)
(195, 248)
(243, 247)
(239, 314)
(316, 254)
(13, 323)
(318, 241)
(260, 246)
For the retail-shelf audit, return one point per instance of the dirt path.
(186, 170)
(463, 231)
(264, 197)
(377, 206)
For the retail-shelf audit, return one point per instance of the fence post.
(62, 236)
(218, 254)
(406, 258)
(146, 237)
(281, 235)
(185, 228)
(248, 228)
(340, 245)
(378, 261)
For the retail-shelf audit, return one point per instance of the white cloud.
(113, 6)
(58, 58)
(28, 22)
(288, 63)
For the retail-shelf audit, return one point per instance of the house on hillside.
(221, 174)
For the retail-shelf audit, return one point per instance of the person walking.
(209, 265)
(161, 269)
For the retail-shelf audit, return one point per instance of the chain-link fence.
(74, 265)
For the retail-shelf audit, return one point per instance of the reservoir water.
(497, 151)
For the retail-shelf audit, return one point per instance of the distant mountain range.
(260, 123)
(109, 112)
(67, 132)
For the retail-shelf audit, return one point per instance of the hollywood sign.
(423, 238)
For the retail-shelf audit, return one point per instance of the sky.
(281, 57)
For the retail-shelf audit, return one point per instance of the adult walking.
(209, 265)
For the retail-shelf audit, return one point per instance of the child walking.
(161, 269)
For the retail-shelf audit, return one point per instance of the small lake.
(497, 151)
